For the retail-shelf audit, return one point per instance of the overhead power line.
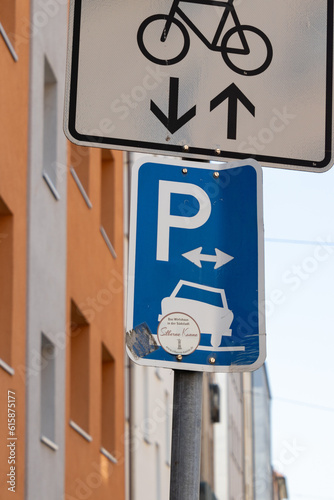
(308, 497)
(300, 242)
(304, 403)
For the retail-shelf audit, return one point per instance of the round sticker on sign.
(179, 333)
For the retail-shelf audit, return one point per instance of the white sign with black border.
(204, 79)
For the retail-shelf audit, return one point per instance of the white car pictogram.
(211, 319)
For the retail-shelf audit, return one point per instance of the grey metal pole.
(186, 435)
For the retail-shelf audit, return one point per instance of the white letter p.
(166, 220)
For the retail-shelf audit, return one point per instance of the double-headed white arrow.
(196, 257)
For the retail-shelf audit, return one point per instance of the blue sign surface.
(196, 293)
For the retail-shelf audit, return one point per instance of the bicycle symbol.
(171, 28)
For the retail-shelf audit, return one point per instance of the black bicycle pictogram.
(228, 46)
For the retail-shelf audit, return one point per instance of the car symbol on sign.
(211, 318)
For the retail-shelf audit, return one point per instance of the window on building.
(107, 199)
(80, 169)
(6, 281)
(7, 17)
(107, 401)
(50, 128)
(79, 368)
(47, 389)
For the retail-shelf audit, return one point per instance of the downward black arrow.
(172, 122)
(233, 94)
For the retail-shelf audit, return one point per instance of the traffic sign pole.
(186, 436)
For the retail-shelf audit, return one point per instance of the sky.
(299, 285)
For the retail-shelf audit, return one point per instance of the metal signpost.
(205, 79)
(186, 437)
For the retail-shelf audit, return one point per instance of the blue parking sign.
(196, 277)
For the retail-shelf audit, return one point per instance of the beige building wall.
(248, 436)
(229, 440)
(150, 432)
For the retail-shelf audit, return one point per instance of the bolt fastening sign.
(195, 291)
(208, 79)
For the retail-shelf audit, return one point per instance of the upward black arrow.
(233, 94)
(172, 122)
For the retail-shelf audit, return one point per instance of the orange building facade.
(95, 359)
(14, 74)
(61, 279)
